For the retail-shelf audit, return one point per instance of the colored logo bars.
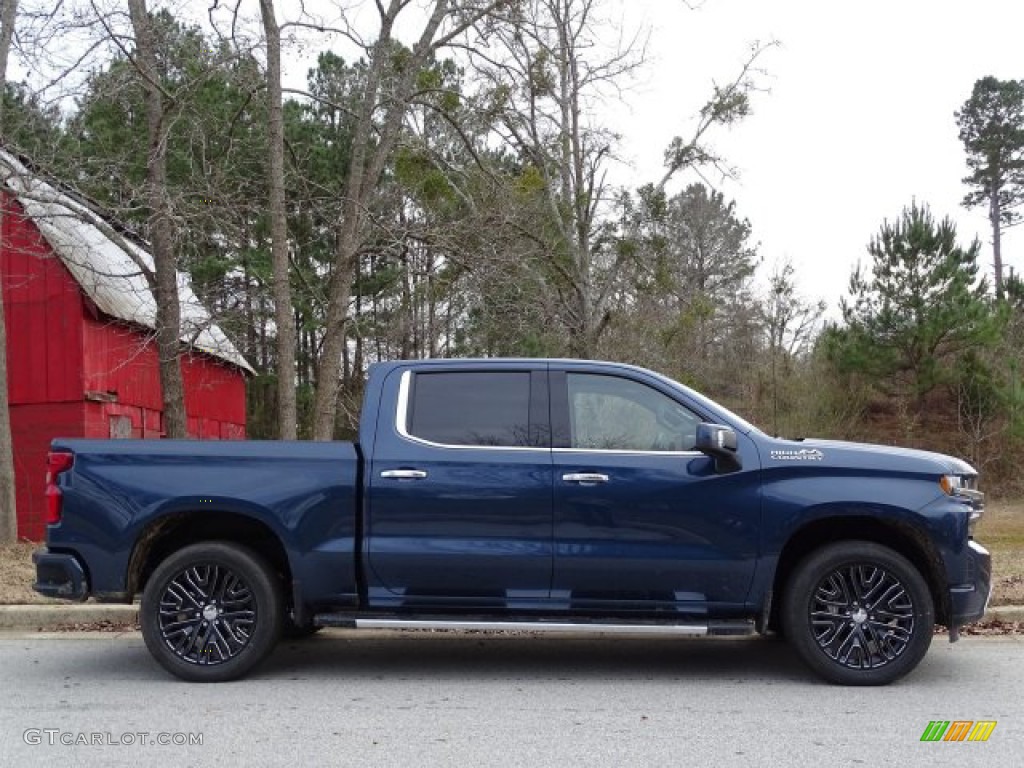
(958, 730)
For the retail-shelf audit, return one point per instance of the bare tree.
(544, 71)
(8, 510)
(541, 69)
(284, 319)
(791, 323)
(727, 105)
(161, 225)
(980, 424)
(790, 320)
(391, 79)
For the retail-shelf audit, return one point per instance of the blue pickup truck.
(546, 495)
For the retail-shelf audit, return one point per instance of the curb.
(46, 617)
(1005, 613)
(49, 617)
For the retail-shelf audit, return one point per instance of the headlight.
(965, 489)
(951, 484)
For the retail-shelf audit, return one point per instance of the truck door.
(459, 505)
(642, 521)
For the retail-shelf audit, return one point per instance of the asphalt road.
(416, 699)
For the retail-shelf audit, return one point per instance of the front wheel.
(858, 613)
(211, 611)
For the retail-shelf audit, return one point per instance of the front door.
(641, 520)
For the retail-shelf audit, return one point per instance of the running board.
(491, 625)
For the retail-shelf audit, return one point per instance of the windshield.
(738, 422)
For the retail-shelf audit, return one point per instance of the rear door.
(460, 484)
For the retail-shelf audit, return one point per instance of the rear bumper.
(60, 575)
(968, 601)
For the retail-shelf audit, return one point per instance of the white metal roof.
(105, 263)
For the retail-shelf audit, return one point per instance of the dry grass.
(17, 574)
(1001, 530)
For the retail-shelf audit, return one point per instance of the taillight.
(56, 462)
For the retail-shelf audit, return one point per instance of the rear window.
(471, 408)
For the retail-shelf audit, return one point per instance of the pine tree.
(917, 309)
(992, 130)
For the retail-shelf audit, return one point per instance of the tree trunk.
(8, 510)
(283, 318)
(161, 227)
(995, 216)
(349, 234)
(371, 150)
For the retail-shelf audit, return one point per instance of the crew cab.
(546, 495)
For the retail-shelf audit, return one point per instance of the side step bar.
(491, 625)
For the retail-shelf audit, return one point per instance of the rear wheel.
(858, 613)
(211, 611)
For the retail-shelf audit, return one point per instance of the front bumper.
(969, 600)
(59, 574)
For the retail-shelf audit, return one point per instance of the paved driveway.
(417, 699)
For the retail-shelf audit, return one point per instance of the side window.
(471, 408)
(612, 413)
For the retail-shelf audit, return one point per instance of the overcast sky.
(858, 123)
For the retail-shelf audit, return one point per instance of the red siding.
(213, 390)
(124, 363)
(33, 427)
(145, 422)
(43, 307)
(121, 361)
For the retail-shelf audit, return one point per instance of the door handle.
(585, 477)
(403, 474)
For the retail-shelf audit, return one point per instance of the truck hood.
(837, 453)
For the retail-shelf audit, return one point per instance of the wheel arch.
(901, 536)
(167, 534)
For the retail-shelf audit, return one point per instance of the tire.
(211, 612)
(858, 613)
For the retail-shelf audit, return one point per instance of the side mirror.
(719, 443)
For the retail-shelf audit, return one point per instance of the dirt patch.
(994, 627)
(17, 573)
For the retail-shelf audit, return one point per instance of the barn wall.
(119, 421)
(43, 307)
(33, 426)
(214, 399)
(122, 362)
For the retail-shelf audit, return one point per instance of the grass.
(1001, 530)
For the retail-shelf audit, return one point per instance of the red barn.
(81, 361)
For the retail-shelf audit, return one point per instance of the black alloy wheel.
(211, 611)
(858, 613)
